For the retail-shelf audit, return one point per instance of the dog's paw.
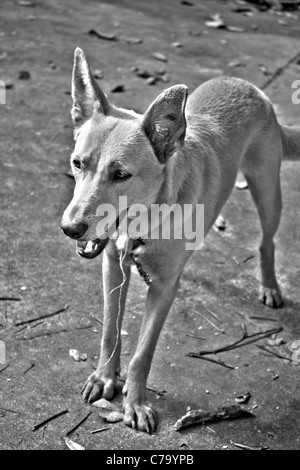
(270, 297)
(98, 386)
(141, 417)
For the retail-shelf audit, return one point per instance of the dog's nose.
(76, 230)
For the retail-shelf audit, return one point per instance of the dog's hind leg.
(116, 279)
(261, 168)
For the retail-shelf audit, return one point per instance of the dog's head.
(118, 152)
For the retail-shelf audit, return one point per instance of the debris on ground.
(47, 420)
(24, 75)
(217, 22)
(105, 404)
(210, 416)
(276, 342)
(133, 40)
(42, 317)
(245, 447)
(73, 445)
(118, 89)
(151, 77)
(96, 431)
(159, 56)
(98, 74)
(77, 356)
(243, 399)
(25, 3)
(108, 411)
(112, 416)
(220, 223)
(102, 35)
(77, 425)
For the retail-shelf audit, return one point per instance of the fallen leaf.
(276, 342)
(215, 22)
(105, 404)
(73, 445)
(159, 56)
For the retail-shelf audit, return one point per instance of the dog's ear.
(164, 122)
(86, 93)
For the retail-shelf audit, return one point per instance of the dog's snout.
(75, 230)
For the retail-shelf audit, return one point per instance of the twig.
(97, 319)
(99, 430)
(76, 426)
(209, 321)
(11, 299)
(56, 332)
(242, 446)
(248, 258)
(243, 341)
(37, 324)
(197, 337)
(207, 416)
(212, 314)
(263, 318)
(48, 315)
(29, 368)
(264, 348)
(209, 359)
(10, 411)
(21, 329)
(4, 368)
(46, 421)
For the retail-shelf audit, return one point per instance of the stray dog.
(184, 151)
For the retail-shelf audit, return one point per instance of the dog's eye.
(121, 175)
(77, 164)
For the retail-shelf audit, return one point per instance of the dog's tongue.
(91, 249)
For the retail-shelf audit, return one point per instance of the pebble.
(159, 56)
(24, 75)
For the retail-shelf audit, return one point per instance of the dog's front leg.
(115, 280)
(138, 413)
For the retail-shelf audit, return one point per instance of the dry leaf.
(73, 445)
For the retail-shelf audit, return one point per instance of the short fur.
(179, 151)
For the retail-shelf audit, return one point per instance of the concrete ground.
(38, 264)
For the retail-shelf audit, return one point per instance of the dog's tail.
(291, 142)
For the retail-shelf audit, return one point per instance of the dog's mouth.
(91, 248)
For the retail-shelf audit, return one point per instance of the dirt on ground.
(41, 275)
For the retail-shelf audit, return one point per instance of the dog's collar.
(144, 275)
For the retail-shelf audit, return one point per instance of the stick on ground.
(76, 426)
(211, 416)
(46, 421)
(48, 315)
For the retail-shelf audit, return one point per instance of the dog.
(182, 150)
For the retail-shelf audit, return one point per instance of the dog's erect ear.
(86, 93)
(164, 122)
